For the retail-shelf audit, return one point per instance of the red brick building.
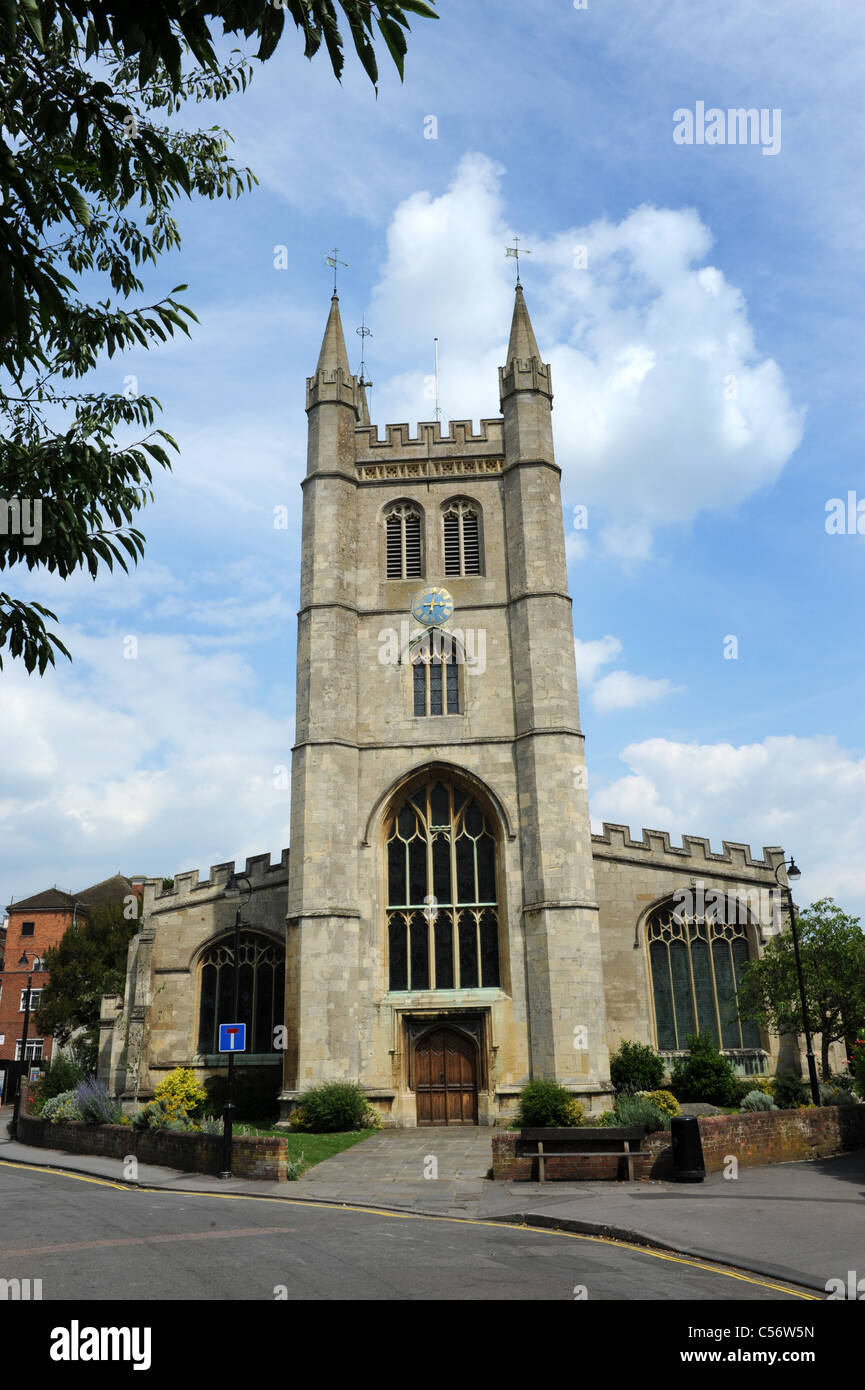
(32, 926)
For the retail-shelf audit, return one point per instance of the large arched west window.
(443, 912)
(696, 965)
(262, 991)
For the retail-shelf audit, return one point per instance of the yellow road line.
(687, 1260)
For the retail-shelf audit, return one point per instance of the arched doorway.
(446, 1078)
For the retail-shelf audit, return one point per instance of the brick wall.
(262, 1156)
(763, 1137)
(769, 1136)
(48, 928)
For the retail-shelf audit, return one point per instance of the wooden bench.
(592, 1140)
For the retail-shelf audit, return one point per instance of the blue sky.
(707, 372)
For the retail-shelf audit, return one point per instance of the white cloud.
(806, 794)
(664, 407)
(149, 765)
(590, 656)
(621, 690)
(617, 689)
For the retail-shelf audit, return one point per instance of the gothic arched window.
(696, 965)
(403, 544)
(436, 675)
(442, 914)
(462, 538)
(262, 991)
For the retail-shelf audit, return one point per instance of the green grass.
(314, 1148)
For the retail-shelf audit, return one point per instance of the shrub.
(574, 1114)
(182, 1090)
(209, 1124)
(790, 1091)
(705, 1075)
(61, 1108)
(742, 1087)
(766, 1084)
(636, 1067)
(96, 1105)
(856, 1062)
(607, 1118)
(664, 1101)
(335, 1108)
(757, 1100)
(842, 1082)
(546, 1103)
(158, 1115)
(297, 1118)
(834, 1094)
(639, 1110)
(61, 1075)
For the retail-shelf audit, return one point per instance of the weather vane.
(515, 252)
(332, 261)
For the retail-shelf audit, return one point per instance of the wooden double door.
(446, 1078)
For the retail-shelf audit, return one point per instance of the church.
(445, 926)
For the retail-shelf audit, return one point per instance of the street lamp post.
(232, 890)
(23, 1063)
(794, 872)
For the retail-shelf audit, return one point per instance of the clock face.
(432, 607)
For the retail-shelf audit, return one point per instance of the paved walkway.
(804, 1222)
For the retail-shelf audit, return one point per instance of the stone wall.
(261, 1157)
(757, 1139)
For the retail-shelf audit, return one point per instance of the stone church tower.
(445, 926)
(440, 992)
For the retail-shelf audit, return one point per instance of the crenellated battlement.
(617, 840)
(429, 439)
(429, 453)
(190, 888)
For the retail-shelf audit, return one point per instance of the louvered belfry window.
(403, 532)
(462, 539)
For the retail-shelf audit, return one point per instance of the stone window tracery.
(443, 913)
(696, 965)
(262, 991)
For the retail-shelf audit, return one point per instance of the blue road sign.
(232, 1037)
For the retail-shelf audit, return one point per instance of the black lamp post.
(22, 1066)
(794, 873)
(232, 890)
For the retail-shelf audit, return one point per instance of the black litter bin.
(688, 1165)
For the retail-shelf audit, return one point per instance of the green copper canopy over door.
(445, 1076)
